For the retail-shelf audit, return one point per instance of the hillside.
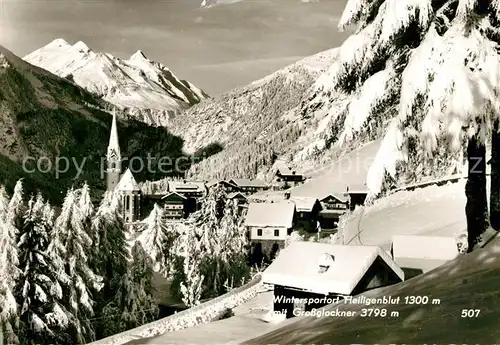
(141, 87)
(469, 282)
(45, 116)
(255, 123)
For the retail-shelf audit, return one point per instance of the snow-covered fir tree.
(10, 223)
(71, 244)
(43, 318)
(134, 297)
(427, 69)
(86, 207)
(191, 287)
(213, 246)
(109, 258)
(157, 239)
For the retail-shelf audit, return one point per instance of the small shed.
(419, 254)
(308, 275)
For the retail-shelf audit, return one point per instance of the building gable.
(173, 198)
(331, 199)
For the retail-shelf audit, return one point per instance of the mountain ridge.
(44, 117)
(141, 87)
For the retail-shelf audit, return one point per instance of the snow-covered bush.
(462, 242)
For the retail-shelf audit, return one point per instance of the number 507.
(470, 313)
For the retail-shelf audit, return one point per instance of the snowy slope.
(252, 120)
(212, 3)
(146, 89)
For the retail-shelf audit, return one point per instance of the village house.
(308, 275)
(284, 174)
(188, 189)
(420, 254)
(268, 225)
(228, 187)
(174, 205)
(333, 205)
(247, 186)
(357, 196)
(240, 200)
(307, 209)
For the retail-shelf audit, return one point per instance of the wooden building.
(357, 196)
(188, 189)
(308, 275)
(227, 186)
(307, 209)
(248, 187)
(284, 174)
(174, 205)
(420, 254)
(333, 205)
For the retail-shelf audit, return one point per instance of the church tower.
(113, 158)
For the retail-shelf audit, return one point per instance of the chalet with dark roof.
(284, 174)
(309, 275)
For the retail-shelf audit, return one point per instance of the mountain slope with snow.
(54, 133)
(254, 123)
(141, 87)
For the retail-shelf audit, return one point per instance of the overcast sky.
(217, 49)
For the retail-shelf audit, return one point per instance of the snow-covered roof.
(279, 214)
(128, 183)
(297, 266)
(357, 189)
(188, 186)
(304, 204)
(248, 183)
(424, 247)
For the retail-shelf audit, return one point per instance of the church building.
(125, 184)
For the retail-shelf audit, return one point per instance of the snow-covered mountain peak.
(58, 42)
(143, 88)
(81, 46)
(138, 55)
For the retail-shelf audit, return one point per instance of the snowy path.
(245, 323)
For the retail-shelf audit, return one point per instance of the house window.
(276, 232)
(259, 232)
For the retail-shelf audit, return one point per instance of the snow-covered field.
(469, 283)
(245, 323)
(434, 210)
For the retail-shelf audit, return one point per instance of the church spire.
(113, 157)
(113, 137)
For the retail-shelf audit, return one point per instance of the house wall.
(356, 199)
(268, 233)
(174, 210)
(379, 274)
